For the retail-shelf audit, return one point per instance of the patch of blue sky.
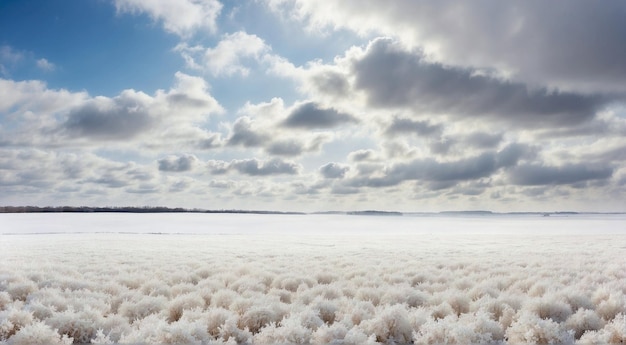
(91, 46)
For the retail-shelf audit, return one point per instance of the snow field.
(324, 287)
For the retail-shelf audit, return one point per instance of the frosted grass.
(268, 279)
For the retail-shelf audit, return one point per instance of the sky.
(304, 105)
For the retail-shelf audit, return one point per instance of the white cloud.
(8, 57)
(45, 65)
(33, 96)
(228, 56)
(181, 17)
(62, 118)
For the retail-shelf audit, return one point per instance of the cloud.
(45, 65)
(536, 174)
(362, 155)
(273, 166)
(63, 177)
(242, 134)
(333, 170)
(429, 169)
(9, 54)
(8, 58)
(262, 126)
(181, 17)
(393, 77)
(512, 153)
(119, 118)
(34, 97)
(226, 58)
(483, 140)
(408, 126)
(532, 42)
(133, 114)
(177, 163)
(255, 167)
(41, 117)
(289, 147)
(310, 115)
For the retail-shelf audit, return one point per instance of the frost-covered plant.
(5, 300)
(181, 303)
(529, 328)
(145, 306)
(290, 331)
(613, 333)
(259, 316)
(205, 290)
(38, 334)
(466, 329)
(582, 321)
(390, 325)
(550, 307)
(80, 326)
(20, 290)
(13, 320)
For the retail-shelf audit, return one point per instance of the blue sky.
(307, 106)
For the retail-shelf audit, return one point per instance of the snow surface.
(268, 279)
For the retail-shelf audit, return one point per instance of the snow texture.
(311, 279)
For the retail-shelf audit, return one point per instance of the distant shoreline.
(131, 209)
(162, 209)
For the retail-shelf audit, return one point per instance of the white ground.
(267, 279)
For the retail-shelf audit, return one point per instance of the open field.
(274, 279)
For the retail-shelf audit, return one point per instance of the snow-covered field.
(321, 279)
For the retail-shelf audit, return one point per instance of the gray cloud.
(533, 40)
(177, 163)
(242, 134)
(361, 155)
(483, 140)
(408, 126)
(431, 170)
(442, 146)
(394, 78)
(180, 186)
(511, 154)
(217, 167)
(117, 119)
(333, 170)
(286, 148)
(181, 99)
(311, 116)
(246, 133)
(273, 166)
(255, 167)
(110, 180)
(331, 83)
(535, 174)
(211, 141)
(144, 188)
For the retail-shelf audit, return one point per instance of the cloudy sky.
(306, 105)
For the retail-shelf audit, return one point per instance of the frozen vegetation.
(316, 279)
